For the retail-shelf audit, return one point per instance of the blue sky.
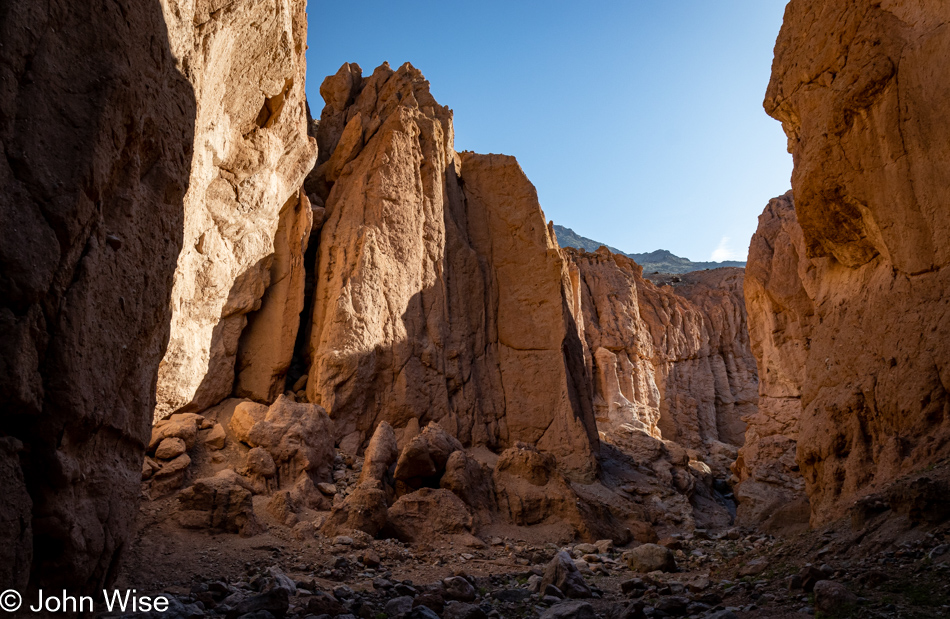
(639, 121)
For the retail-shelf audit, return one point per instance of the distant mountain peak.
(661, 260)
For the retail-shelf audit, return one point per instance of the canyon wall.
(674, 360)
(861, 90)
(441, 294)
(96, 126)
(155, 153)
(780, 312)
(243, 230)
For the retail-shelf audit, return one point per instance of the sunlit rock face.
(780, 313)
(861, 90)
(252, 153)
(672, 361)
(97, 124)
(441, 294)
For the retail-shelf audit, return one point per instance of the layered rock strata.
(441, 294)
(96, 126)
(244, 225)
(860, 88)
(671, 361)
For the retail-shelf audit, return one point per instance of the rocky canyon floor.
(881, 563)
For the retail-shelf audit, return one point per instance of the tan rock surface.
(671, 361)
(428, 512)
(530, 490)
(96, 127)
(245, 415)
(364, 510)
(423, 460)
(246, 63)
(780, 315)
(471, 482)
(441, 295)
(297, 437)
(381, 453)
(219, 502)
(860, 88)
(267, 343)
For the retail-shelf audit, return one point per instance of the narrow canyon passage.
(269, 365)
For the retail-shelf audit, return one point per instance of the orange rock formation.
(860, 88)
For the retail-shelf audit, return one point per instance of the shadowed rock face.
(441, 294)
(96, 128)
(245, 228)
(861, 89)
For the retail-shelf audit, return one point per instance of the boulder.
(469, 480)
(220, 503)
(426, 513)
(530, 489)
(170, 448)
(833, 597)
(216, 438)
(275, 602)
(462, 610)
(398, 606)
(183, 426)
(245, 415)
(170, 477)
(423, 460)
(458, 588)
(570, 610)
(283, 508)
(651, 558)
(259, 462)
(363, 510)
(380, 454)
(563, 574)
(299, 439)
(528, 486)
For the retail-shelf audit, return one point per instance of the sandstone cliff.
(860, 88)
(96, 127)
(671, 361)
(245, 228)
(780, 313)
(441, 294)
(104, 196)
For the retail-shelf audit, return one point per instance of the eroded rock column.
(246, 62)
(440, 292)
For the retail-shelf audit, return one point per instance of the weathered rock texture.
(267, 343)
(441, 294)
(244, 224)
(780, 313)
(96, 127)
(861, 90)
(671, 361)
